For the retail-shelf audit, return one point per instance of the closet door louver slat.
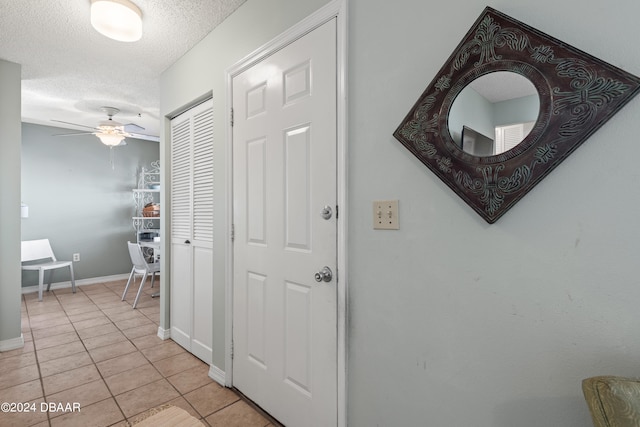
(180, 180)
(203, 176)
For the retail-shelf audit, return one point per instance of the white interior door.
(284, 174)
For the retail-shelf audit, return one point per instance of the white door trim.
(335, 9)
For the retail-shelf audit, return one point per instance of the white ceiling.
(503, 86)
(69, 70)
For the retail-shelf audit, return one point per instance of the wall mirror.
(506, 108)
(493, 113)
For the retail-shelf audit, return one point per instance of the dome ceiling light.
(119, 20)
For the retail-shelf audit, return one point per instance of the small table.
(155, 247)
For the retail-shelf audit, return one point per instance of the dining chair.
(140, 267)
(40, 250)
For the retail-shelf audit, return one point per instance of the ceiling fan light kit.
(111, 139)
(119, 20)
(110, 132)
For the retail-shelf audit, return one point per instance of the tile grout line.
(41, 378)
(150, 362)
(35, 355)
(126, 420)
(95, 365)
(180, 394)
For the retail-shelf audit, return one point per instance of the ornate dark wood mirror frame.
(578, 93)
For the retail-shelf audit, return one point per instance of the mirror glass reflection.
(493, 113)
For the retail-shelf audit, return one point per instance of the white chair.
(140, 267)
(36, 250)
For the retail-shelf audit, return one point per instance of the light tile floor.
(92, 349)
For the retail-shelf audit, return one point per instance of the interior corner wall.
(78, 201)
(474, 111)
(10, 103)
(200, 71)
(455, 322)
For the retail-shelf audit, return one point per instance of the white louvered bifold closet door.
(192, 230)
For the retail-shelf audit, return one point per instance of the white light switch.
(385, 215)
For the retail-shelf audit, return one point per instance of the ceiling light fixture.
(110, 139)
(117, 19)
(110, 136)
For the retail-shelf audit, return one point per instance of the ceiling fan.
(110, 132)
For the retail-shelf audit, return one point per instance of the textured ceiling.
(69, 70)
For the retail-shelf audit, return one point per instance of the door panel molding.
(335, 9)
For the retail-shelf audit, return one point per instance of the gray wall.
(9, 204)
(519, 110)
(77, 201)
(454, 322)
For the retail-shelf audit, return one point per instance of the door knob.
(326, 212)
(324, 275)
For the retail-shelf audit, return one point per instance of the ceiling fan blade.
(129, 127)
(74, 124)
(144, 136)
(73, 134)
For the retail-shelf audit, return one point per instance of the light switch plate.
(385, 215)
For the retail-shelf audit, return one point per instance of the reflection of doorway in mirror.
(509, 136)
(477, 144)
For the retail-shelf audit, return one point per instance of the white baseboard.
(217, 375)
(79, 282)
(12, 344)
(164, 334)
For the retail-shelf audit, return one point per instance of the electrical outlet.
(385, 215)
(76, 257)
